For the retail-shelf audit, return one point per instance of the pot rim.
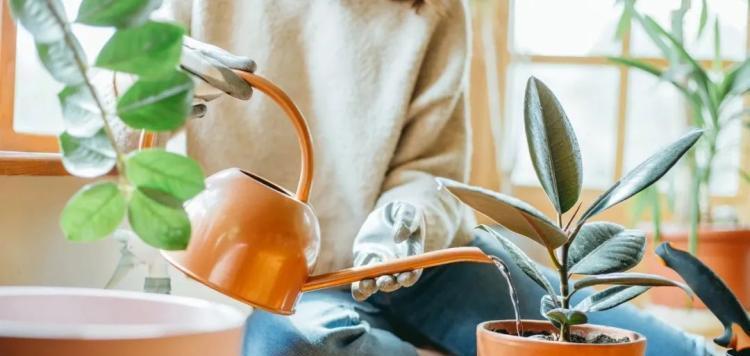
(483, 328)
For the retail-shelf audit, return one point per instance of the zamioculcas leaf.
(603, 247)
(630, 279)
(38, 17)
(567, 316)
(161, 105)
(117, 13)
(159, 219)
(93, 213)
(709, 288)
(87, 156)
(150, 50)
(609, 298)
(643, 175)
(509, 212)
(168, 172)
(519, 258)
(552, 145)
(60, 59)
(81, 116)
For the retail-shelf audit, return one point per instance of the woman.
(382, 84)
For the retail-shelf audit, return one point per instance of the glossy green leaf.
(552, 145)
(519, 258)
(630, 279)
(117, 13)
(87, 156)
(603, 247)
(509, 212)
(609, 298)
(162, 105)
(711, 290)
(150, 50)
(41, 18)
(159, 219)
(93, 213)
(644, 174)
(549, 303)
(168, 172)
(567, 316)
(61, 60)
(81, 116)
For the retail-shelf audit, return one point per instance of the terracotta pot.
(491, 343)
(725, 251)
(50, 321)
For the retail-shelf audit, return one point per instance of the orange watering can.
(256, 242)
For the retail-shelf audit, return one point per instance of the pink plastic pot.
(44, 321)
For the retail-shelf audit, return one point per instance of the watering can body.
(256, 242)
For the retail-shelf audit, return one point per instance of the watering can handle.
(295, 116)
(425, 260)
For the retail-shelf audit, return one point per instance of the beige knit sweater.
(382, 88)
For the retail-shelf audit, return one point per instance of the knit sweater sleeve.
(434, 141)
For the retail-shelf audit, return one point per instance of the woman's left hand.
(393, 231)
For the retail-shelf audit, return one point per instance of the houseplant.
(600, 251)
(708, 94)
(715, 295)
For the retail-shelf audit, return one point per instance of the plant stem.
(69, 37)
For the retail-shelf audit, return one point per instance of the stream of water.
(503, 268)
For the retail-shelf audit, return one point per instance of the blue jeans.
(441, 311)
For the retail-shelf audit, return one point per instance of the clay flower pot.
(52, 321)
(490, 343)
(725, 251)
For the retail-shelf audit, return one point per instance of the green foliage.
(153, 184)
(87, 156)
(511, 213)
(174, 174)
(94, 212)
(601, 250)
(80, 113)
(150, 50)
(609, 298)
(645, 174)
(553, 146)
(603, 247)
(159, 219)
(714, 293)
(161, 105)
(117, 13)
(524, 262)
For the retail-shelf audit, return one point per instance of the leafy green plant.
(601, 252)
(715, 294)
(707, 92)
(149, 186)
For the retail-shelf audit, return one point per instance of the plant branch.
(575, 213)
(69, 37)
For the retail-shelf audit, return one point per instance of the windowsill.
(31, 164)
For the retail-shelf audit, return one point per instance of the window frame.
(20, 153)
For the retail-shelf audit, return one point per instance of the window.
(621, 116)
(30, 117)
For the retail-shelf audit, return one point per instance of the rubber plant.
(707, 92)
(600, 252)
(715, 294)
(149, 186)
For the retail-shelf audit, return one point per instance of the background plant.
(149, 186)
(707, 92)
(601, 252)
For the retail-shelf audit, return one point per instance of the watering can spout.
(256, 242)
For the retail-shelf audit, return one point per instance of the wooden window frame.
(20, 153)
(493, 55)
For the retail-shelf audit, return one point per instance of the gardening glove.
(212, 68)
(393, 231)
